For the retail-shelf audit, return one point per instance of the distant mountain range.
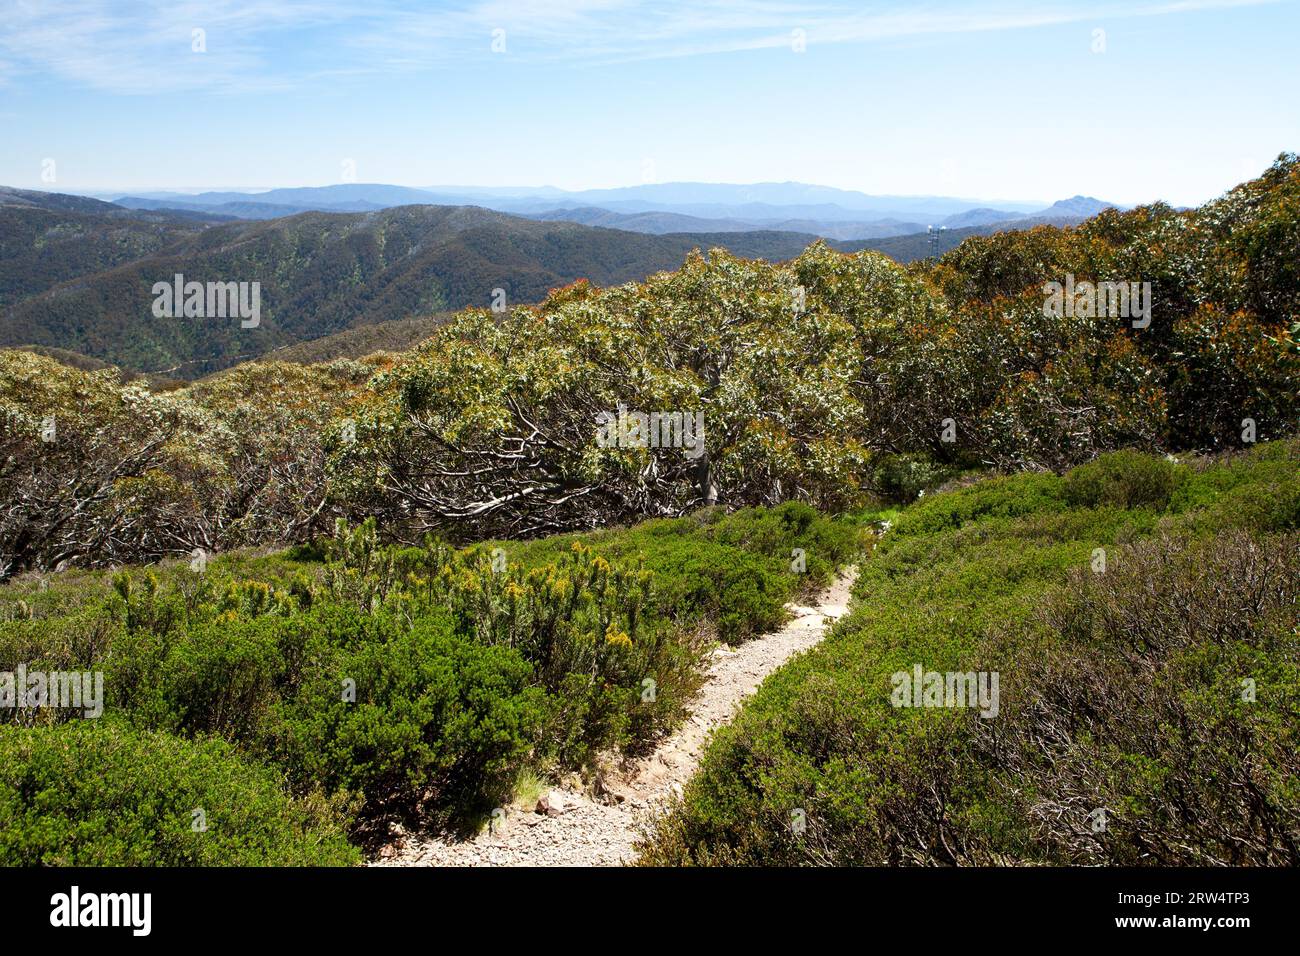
(657, 208)
(77, 273)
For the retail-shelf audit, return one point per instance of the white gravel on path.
(581, 830)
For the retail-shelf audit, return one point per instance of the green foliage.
(103, 794)
(1255, 233)
(41, 248)
(403, 715)
(1010, 497)
(93, 472)
(775, 532)
(394, 712)
(418, 683)
(743, 593)
(1120, 690)
(733, 572)
(1258, 491)
(594, 631)
(900, 479)
(1122, 479)
(218, 676)
(1183, 670)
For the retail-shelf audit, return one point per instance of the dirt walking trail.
(573, 828)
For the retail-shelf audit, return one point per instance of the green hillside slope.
(1140, 619)
(318, 274)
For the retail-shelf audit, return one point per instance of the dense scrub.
(830, 379)
(109, 795)
(1142, 618)
(296, 699)
(736, 570)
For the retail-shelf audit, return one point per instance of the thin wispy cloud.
(607, 31)
(275, 45)
(150, 46)
(730, 28)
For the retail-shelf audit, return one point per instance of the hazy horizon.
(102, 191)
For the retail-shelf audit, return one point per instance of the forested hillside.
(830, 378)
(82, 280)
(41, 248)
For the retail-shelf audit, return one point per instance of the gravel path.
(574, 828)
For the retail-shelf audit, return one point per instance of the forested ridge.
(81, 278)
(831, 378)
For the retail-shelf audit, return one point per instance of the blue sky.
(1172, 100)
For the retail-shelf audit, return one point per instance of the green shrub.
(435, 717)
(102, 794)
(731, 573)
(1259, 491)
(740, 594)
(461, 670)
(1182, 667)
(1122, 479)
(592, 628)
(219, 676)
(899, 479)
(1009, 497)
(67, 642)
(1122, 690)
(827, 544)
